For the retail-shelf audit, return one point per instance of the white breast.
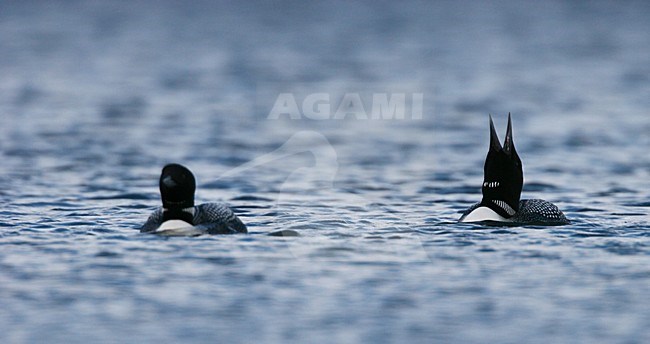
(178, 228)
(483, 214)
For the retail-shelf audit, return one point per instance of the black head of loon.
(177, 186)
(503, 176)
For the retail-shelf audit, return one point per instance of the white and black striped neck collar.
(500, 207)
(505, 206)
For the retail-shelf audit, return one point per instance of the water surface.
(96, 97)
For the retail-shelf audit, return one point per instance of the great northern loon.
(178, 214)
(503, 180)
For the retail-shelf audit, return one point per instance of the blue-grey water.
(95, 97)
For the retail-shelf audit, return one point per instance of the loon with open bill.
(179, 216)
(503, 180)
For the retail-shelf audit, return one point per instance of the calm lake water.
(95, 97)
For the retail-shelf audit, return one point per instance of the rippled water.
(95, 97)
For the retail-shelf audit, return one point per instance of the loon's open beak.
(494, 138)
(509, 144)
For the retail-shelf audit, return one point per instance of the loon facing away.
(503, 180)
(178, 214)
